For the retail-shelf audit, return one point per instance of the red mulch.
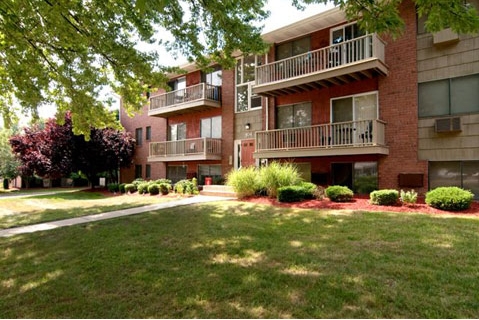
(362, 204)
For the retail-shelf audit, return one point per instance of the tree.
(64, 52)
(8, 163)
(54, 151)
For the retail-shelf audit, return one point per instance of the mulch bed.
(362, 204)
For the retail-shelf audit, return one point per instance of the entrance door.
(247, 149)
(342, 174)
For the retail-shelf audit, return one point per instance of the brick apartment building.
(348, 108)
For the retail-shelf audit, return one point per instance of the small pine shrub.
(142, 188)
(122, 187)
(339, 193)
(385, 197)
(449, 198)
(154, 189)
(244, 181)
(130, 188)
(113, 187)
(291, 194)
(408, 197)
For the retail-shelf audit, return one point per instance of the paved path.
(108, 215)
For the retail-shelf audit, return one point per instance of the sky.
(282, 13)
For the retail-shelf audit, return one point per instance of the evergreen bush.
(113, 187)
(121, 187)
(385, 197)
(164, 188)
(339, 193)
(142, 188)
(130, 188)
(154, 189)
(449, 198)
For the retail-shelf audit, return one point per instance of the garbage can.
(208, 181)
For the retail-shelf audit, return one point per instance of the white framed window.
(211, 127)
(355, 107)
(245, 79)
(293, 115)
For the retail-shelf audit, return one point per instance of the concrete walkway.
(108, 215)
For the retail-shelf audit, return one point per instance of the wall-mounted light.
(247, 126)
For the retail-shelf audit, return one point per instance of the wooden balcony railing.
(333, 135)
(200, 91)
(338, 55)
(198, 148)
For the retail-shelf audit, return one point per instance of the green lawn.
(64, 204)
(238, 260)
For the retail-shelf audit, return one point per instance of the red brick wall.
(158, 133)
(398, 105)
(228, 109)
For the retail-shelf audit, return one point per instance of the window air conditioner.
(451, 124)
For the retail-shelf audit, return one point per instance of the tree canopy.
(54, 151)
(64, 52)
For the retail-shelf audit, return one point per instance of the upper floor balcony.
(186, 150)
(352, 60)
(332, 139)
(194, 98)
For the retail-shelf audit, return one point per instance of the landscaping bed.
(361, 203)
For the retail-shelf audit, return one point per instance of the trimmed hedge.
(385, 197)
(130, 188)
(154, 189)
(449, 198)
(339, 193)
(142, 188)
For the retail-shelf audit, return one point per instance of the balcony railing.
(200, 95)
(189, 149)
(324, 59)
(353, 134)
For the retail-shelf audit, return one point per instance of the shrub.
(186, 187)
(408, 197)
(277, 175)
(305, 190)
(319, 193)
(164, 188)
(122, 187)
(137, 182)
(113, 187)
(244, 181)
(154, 189)
(449, 198)
(142, 188)
(163, 180)
(385, 197)
(339, 193)
(130, 188)
(309, 189)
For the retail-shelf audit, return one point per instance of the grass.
(63, 204)
(239, 260)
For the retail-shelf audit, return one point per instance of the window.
(148, 133)
(295, 115)
(213, 171)
(449, 96)
(245, 77)
(354, 108)
(463, 174)
(292, 48)
(211, 127)
(139, 136)
(213, 78)
(345, 33)
(350, 51)
(176, 173)
(177, 132)
(138, 171)
(178, 84)
(148, 171)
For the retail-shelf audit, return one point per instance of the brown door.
(247, 149)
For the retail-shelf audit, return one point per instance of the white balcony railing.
(338, 55)
(200, 91)
(186, 148)
(343, 134)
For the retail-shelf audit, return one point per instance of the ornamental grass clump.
(244, 181)
(339, 193)
(385, 197)
(408, 197)
(449, 198)
(277, 175)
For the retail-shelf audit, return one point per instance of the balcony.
(352, 60)
(186, 150)
(332, 139)
(195, 98)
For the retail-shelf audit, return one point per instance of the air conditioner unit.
(451, 124)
